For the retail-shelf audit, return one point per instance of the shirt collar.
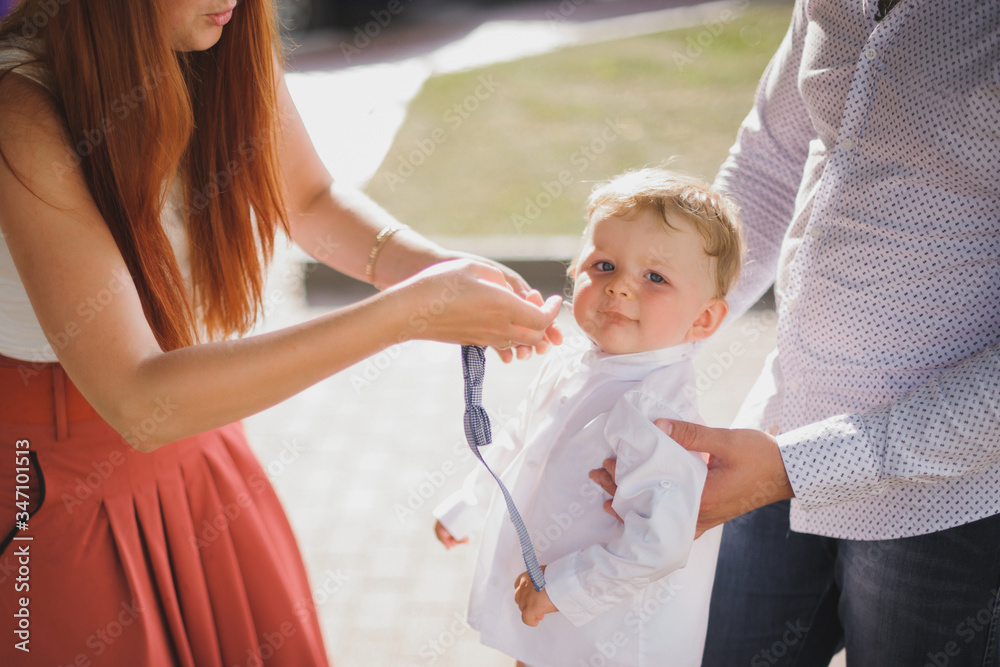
(637, 365)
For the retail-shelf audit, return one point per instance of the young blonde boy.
(660, 251)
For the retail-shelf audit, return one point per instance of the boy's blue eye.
(656, 278)
(605, 266)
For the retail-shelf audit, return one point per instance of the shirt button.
(871, 54)
(847, 143)
(774, 429)
(816, 231)
(562, 400)
(794, 386)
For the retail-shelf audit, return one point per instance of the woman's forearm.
(213, 384)
(194, 389)
(339, 228)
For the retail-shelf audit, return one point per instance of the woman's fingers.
(530, 322)
(469, 302)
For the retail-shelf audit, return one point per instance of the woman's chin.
(203, 40)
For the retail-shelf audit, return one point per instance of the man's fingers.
(604, 480)
(608, 507)
(610, 465)
(601, 477)
(692, 437)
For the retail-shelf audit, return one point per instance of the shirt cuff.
(830, 462)
(458, 516)
(566, 592)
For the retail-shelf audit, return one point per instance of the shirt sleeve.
(659, 491)
(944, 429)
(765, 166)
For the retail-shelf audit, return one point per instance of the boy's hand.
(533, 604)
(446, 538)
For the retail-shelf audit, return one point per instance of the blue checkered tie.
(477, 432)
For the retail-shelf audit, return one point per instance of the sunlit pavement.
(361, 458)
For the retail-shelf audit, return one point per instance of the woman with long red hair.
(150, 155)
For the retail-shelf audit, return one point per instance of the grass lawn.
(516, 147)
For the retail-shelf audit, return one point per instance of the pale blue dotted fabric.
(868, 174)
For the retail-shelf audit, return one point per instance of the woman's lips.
(221, 19)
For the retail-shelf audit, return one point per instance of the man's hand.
(533, 604)
(745, 470)
(446, 538)
(605, 478)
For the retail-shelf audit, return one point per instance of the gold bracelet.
(380, 240)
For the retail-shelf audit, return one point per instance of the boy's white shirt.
(609, 580)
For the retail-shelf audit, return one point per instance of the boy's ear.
(711, 317)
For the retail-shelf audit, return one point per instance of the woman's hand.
(471, 303)
(553, 335)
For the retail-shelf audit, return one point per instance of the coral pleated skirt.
(182, 556)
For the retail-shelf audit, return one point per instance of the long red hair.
(138, 113)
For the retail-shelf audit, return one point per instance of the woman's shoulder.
(36, 145)
(26, 57)
(29, 115)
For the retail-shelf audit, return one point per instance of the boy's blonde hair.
(714, 216)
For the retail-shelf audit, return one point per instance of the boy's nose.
(618, 287)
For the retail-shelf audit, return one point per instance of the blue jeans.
(785, 598)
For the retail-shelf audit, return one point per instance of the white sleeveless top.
(21, 336)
